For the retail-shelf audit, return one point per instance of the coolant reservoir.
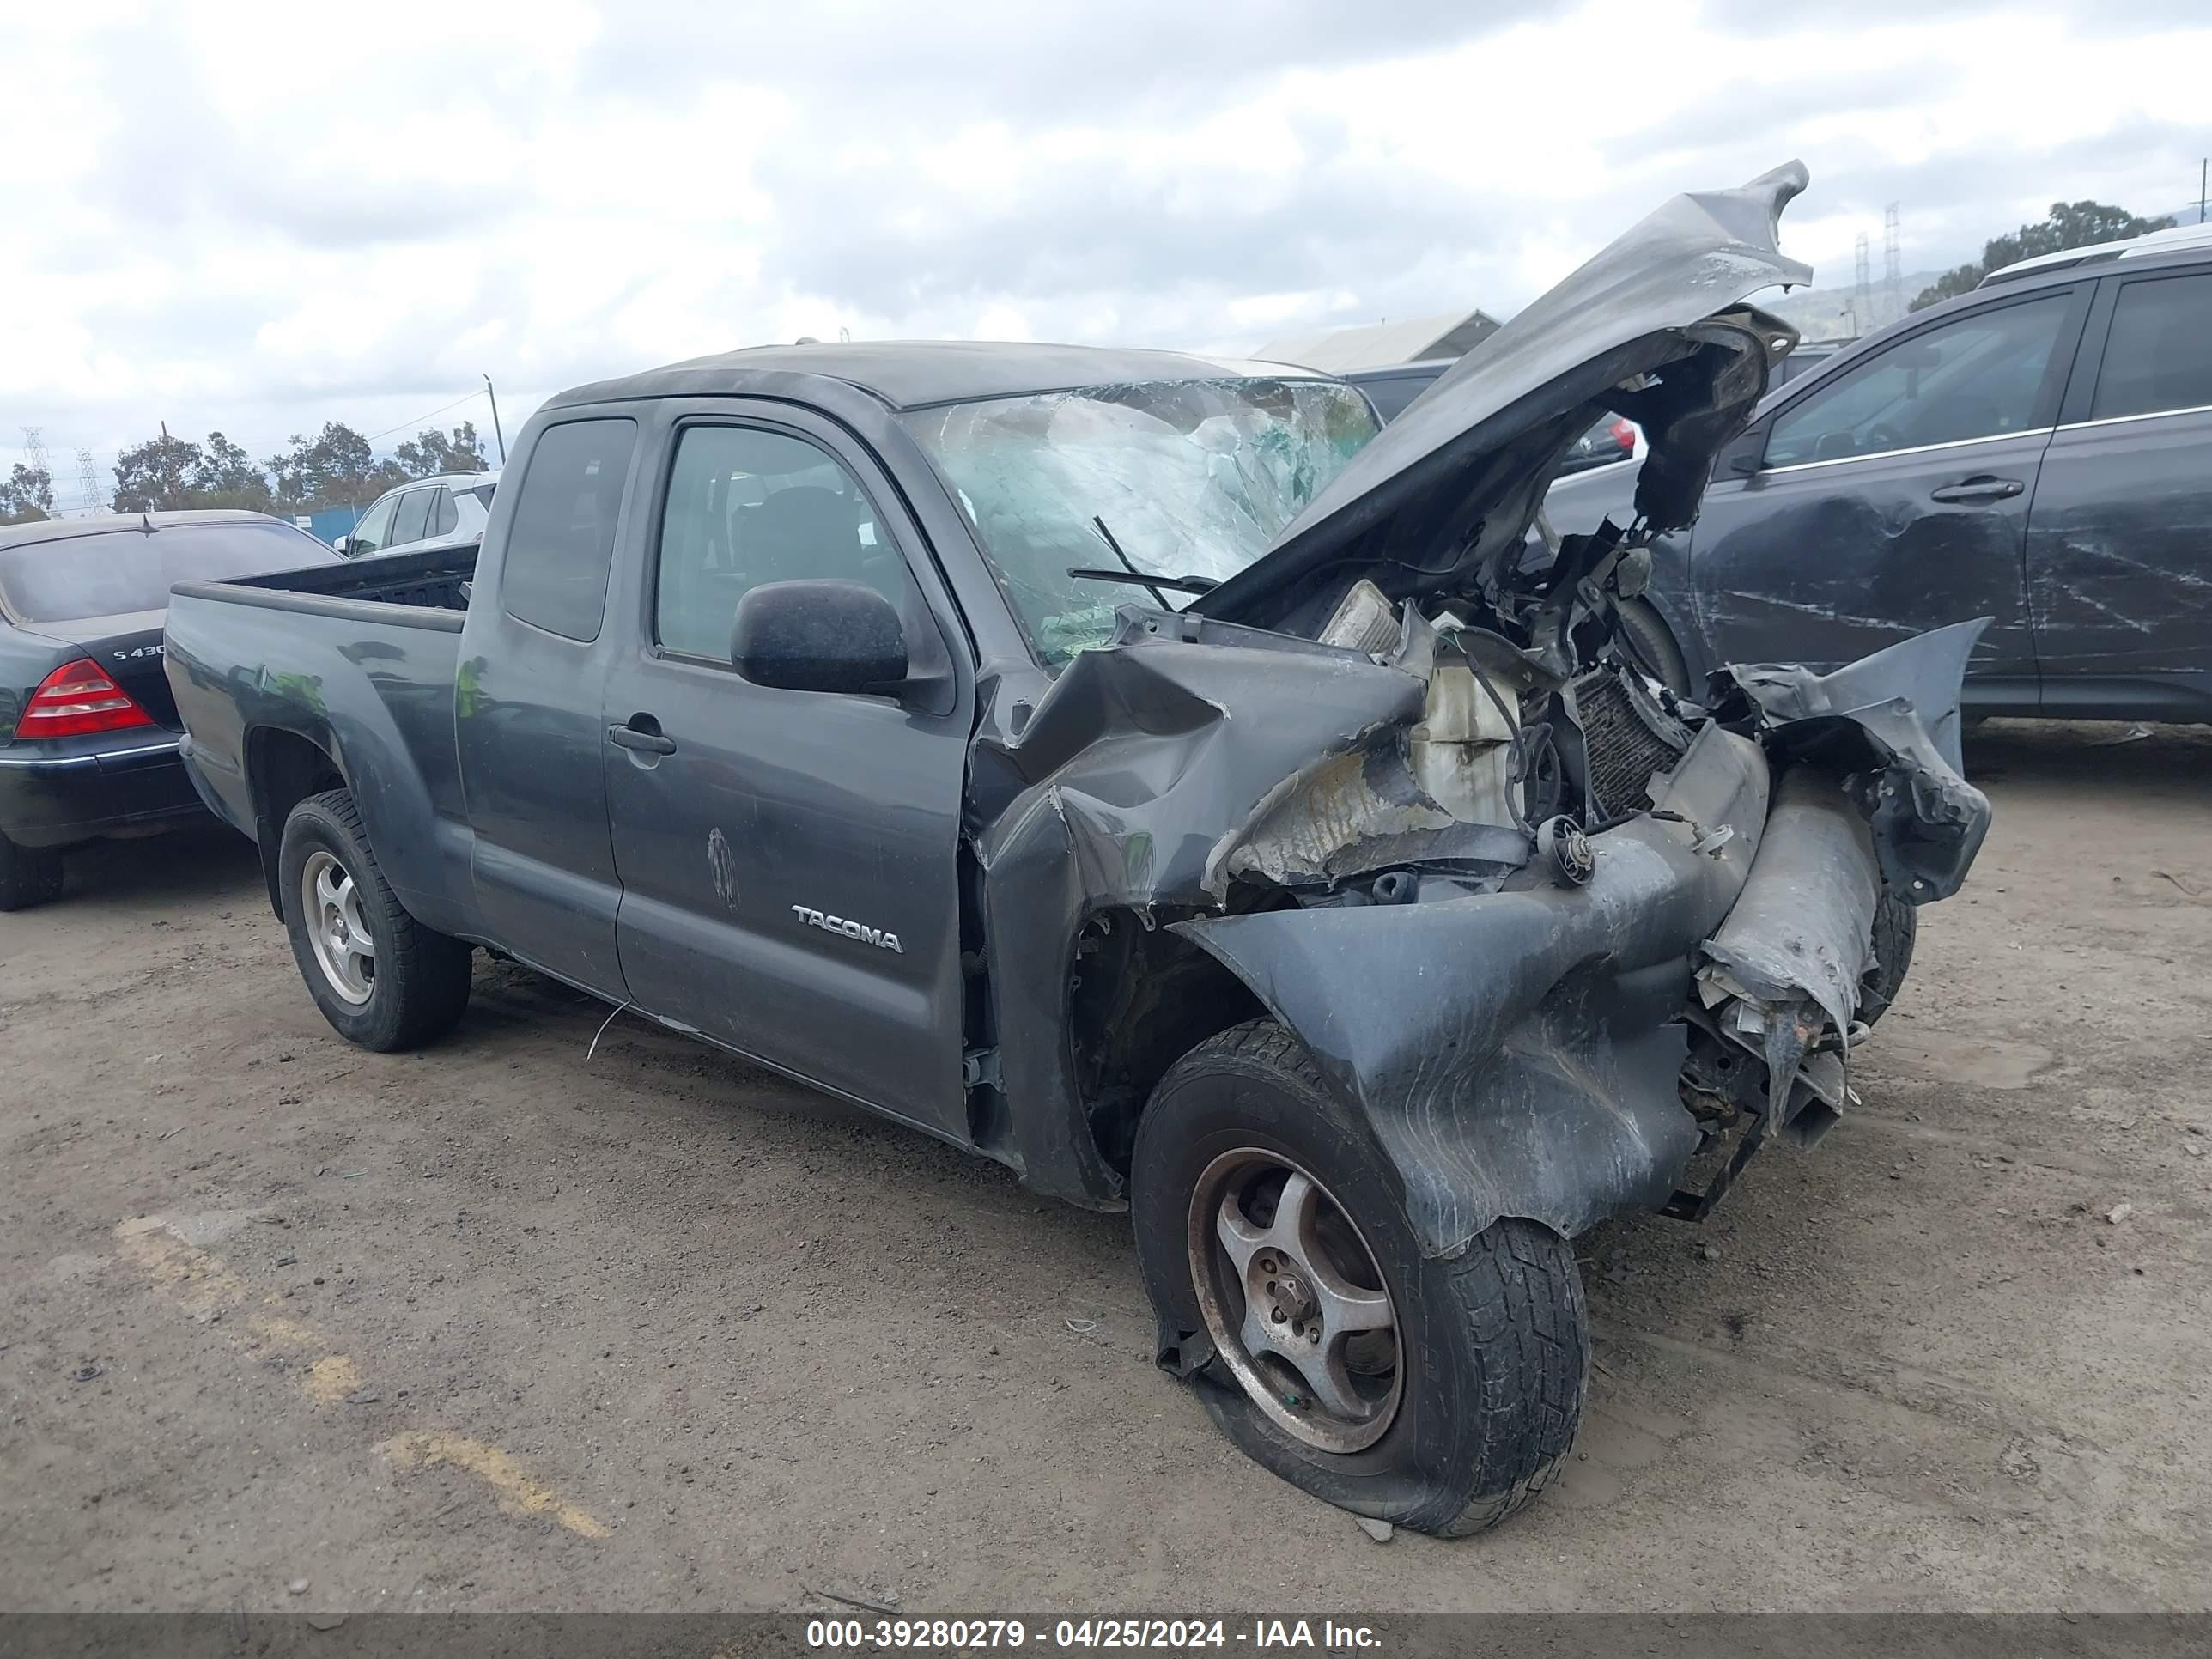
(1462, 752)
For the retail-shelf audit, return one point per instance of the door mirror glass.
(819, 635)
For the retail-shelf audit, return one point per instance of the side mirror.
(1747, 455)
(342, 546)
(819, 635)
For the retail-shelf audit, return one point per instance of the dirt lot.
(501, 1326)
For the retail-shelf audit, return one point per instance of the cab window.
(1975, 377)
(746, 506)
(560, 544)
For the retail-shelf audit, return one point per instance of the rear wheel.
(29, 875)
(1437, 1395)
(381, 978)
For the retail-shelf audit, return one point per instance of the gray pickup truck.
(1136, 769)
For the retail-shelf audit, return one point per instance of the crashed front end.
(1548, 928)
(1556, 1034)
(1551, 936)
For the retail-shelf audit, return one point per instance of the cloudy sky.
(261, 216)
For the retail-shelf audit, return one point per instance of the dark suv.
(2039, 450)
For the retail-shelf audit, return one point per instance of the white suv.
(450, 510)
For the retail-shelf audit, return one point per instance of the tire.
(1896, 926)
(29, 876)
(1650, 646)
(411, 986)
(1491, 1347)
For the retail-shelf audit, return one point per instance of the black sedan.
(88, 730)
(2037, 451)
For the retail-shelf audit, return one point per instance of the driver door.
(1892, 497)
(789, 860)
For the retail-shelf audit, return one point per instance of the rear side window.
(442, 516)
(412, 521)
(2159, 354)
(560, 540)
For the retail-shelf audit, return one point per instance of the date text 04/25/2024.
(962, 1634)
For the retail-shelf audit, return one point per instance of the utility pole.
(2203, 169)
(1893, 265)
(35, 445)
(1861, 290)
(88, 477)
(495, 432)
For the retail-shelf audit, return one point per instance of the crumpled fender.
(1518, 1053)
(1890, 720)
(1515, 1052)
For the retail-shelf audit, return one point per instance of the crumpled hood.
(1461, 474)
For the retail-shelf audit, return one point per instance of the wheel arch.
(283, 768)
(1141, 997)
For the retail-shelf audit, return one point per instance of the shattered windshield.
(1193, 480)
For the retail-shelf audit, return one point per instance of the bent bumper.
(50, 798)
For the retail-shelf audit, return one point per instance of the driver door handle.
(1980, 488)
(643, 733)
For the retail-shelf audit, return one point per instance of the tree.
(226, 476)
(2071, 224)
(432, 452)
(335, 468)
(156, 477)
(27, 495)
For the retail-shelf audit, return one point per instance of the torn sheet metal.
(1787, 964)
(1891, 722)
(1116, 793)
(1516, 1052)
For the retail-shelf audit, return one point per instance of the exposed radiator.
(1627, 737)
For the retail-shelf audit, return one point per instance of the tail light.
(1624, 434)
(77, 699)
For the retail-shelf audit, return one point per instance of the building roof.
(63, 530)
(920, 373)
(1378, 345)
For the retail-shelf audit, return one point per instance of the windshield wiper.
(1129, 573)
(1180, 584)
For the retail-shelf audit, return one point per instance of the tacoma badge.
(860, 931)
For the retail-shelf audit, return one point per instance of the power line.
(433, 415)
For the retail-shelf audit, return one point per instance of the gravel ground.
(284, 1324)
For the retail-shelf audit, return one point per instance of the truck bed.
(435, 580)
(297, 669)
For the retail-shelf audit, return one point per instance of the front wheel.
(1436, 1394)
(1896, 926)
(381, 978)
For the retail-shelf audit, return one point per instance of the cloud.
(265, 216)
